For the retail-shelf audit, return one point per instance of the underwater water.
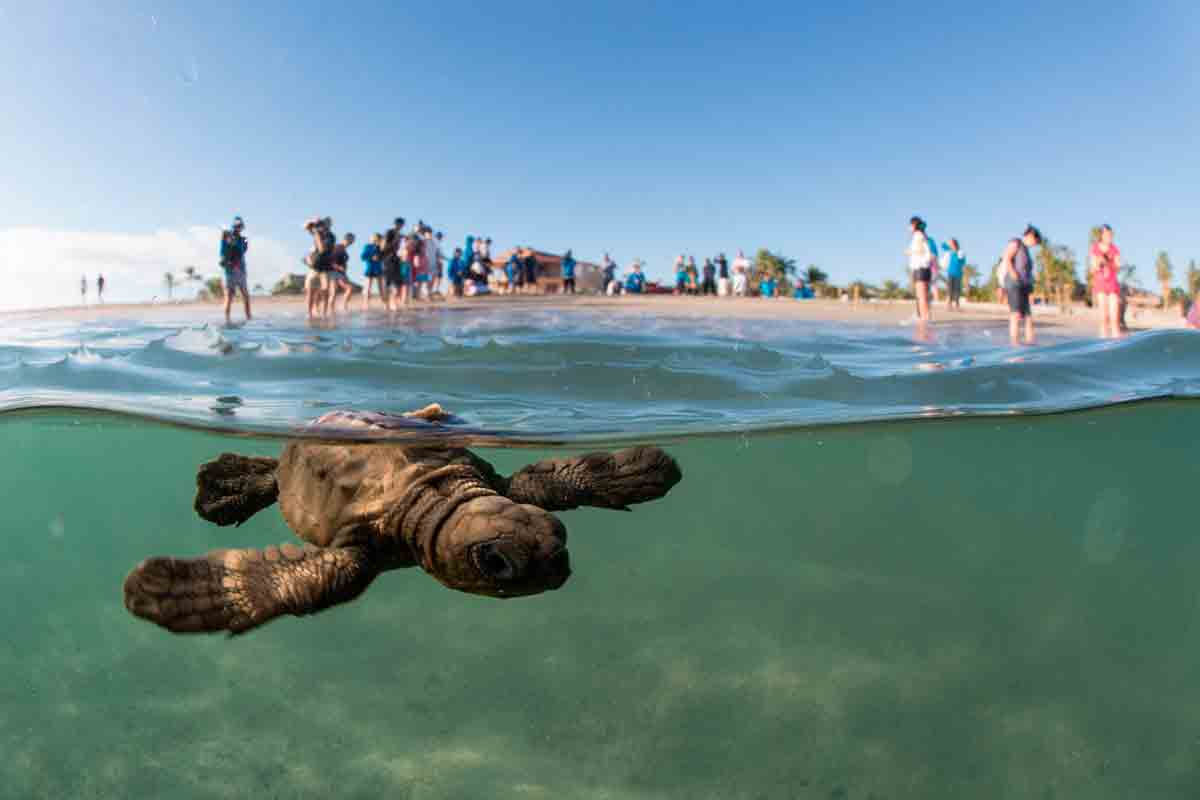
(963, 606)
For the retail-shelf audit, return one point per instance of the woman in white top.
(741, 266)
(921, 259)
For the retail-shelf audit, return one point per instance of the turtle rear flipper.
(239, 590)
(233, 488)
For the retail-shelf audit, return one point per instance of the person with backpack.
(1018, 283)
(339, 277)
(233, 260)
(922, 257)
(722, 275)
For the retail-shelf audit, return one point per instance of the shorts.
(924, 275)
(235, 278)
(723, 287)
(373, 271)
(316, 279)
(422, 277)
(1018, 297)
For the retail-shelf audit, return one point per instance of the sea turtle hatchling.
(366, 508)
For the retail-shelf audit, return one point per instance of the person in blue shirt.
(955, 261)
(568, 273)
(457, 271)
(635, 282)
(514, 271)
(233, 260)
(767, 287)
(372, 258)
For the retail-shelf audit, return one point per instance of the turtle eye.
(493, 563)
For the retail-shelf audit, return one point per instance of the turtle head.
(495, 547)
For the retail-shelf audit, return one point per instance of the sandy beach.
(1076, 320)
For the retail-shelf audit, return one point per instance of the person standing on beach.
(83, 290)
(722, 275)
(372, 258)
(320, 261)
(921, 258)
(635, 283)
(531, 271)
(568, 273)
(1106, 282)
(610, 276)
(709, 286)
(741, 278)
(955, 261)
(391, 260)
(457, 272)
(1018, 283)
(100, 289)
(430, 253)
(233, 260)
(339, 282)
(439, 267)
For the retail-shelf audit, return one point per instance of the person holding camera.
(233, 260)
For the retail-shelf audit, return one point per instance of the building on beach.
(589, 277)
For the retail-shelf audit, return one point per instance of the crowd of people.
(401, 266)
(83, 289)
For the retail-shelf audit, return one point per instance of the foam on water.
(546, 373)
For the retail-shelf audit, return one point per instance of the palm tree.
(1164, 270)
(169, 280)
(814, 275)
(1193, 277)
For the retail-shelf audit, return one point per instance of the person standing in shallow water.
(921, 258)
(1105, 267)
(83, 290)
(233, 261)
(955, 261)
(100, 289)
(1018, 283)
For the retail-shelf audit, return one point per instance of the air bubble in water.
(58, 527)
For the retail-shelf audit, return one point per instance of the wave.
(562, 376)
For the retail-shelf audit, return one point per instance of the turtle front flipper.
(238, 590)
(604, 480)
(233, 488)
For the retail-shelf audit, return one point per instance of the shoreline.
(1077, 320)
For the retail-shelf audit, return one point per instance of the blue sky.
(644, 129)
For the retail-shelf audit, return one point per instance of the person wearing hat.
(1018, 283)
(233, 262)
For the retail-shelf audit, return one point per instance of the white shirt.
(741, 264)
(918, 252)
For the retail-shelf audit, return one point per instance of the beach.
(1078, 320)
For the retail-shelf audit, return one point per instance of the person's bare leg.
(1014, 328)
(229, 291)
(922, 300)
(246, 303)
(1029, 337)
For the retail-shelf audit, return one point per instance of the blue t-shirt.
(233, 254)
(767, 287)
(955, 262)
(568, 268)
(635, 283)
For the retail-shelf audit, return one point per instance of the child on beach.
(457, 272)
(741, 266)
(339, 283)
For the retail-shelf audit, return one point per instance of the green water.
(951, 609)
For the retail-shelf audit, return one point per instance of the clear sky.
(133, 130)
